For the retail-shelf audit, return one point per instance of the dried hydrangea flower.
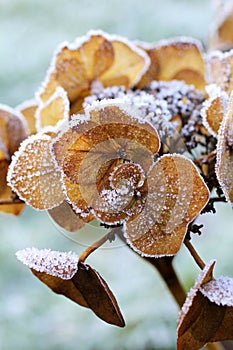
(207, 313)
(96, 57)
(61, 272)
(224, 164)
(108, 169)
(13, 129)
(175, 59)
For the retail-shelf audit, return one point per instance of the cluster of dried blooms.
(136, 136)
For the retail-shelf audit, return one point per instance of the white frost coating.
(16, 113)
(219, 291)
(59, 93)
(214, 91)
(78, 42)
(26, 104)
(193, 291)
(54, 263)
(176, 40)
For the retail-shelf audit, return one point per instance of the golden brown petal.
(176, 195)
(13, 129)
(128, 66)
(28, 110)
(176, 59)
(224, 164)
(55, 109)
(33, 173)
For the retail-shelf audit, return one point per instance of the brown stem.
(194, 254)
(167, 272)
(215, 346)
(109, 236)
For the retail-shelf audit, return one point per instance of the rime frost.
(219, 291)
(54, 263)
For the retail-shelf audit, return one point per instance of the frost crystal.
(219, 291)
(54, 263)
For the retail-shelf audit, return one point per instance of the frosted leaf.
(54, 263)
(28, 109)
(221, 36)
(176, 195)
(207, 313)
(34, 175)
(214, 109)
(177, 58)
(224, 164)
(219, 291)
(54, 110)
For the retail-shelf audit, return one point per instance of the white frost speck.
(219, 291)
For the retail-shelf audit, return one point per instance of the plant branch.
(108, 237)
(194, 254)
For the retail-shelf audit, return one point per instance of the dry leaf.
(176, 195)
(98, 295)
(34, 175)
(207, 314)
(224, 164)
(61, 272)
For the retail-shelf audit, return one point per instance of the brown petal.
(176, 195)
(97, 295)
(13, 128)
(55, 109)
(207, 314)
(213, 111)
(76, 66)
(34, 175)
(152, 72)
(28, 110)
(176, 59)
(128, 66)
(221, 36)
(6, 193)
(224, 164)
(65, 217)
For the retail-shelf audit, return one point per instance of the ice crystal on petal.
(54, 263)
(219, 291)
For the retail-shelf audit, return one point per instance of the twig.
(108, 237)
(194, 254)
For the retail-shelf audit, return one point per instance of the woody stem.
(109, 236)
(194, 254)
(8, 201)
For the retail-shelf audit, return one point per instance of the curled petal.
(176, 195)
(28, 109)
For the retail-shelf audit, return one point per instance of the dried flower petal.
(176, 195)
(221, 36)
(214, 109)
(178, 58)
(98, 295)
(207, 313)
(28, 110)
(224, 164)
(65, 217)
(33, 173)
(56, 109)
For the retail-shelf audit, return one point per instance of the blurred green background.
(32, 317)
